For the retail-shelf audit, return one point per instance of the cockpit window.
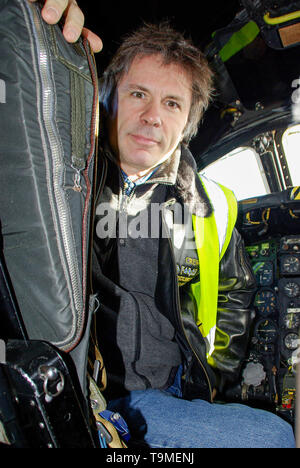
(241, 171)
(291, 146)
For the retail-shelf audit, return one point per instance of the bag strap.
(108, 434)
(96, 366)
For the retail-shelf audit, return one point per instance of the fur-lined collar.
(189, 188)
(180, 173)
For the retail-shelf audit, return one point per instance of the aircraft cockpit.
(250, 142)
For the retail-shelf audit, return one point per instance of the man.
(165, 248)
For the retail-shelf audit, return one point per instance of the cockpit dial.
(265, 302)
(290, 264)
(291, 289)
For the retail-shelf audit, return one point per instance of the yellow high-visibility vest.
(212, 236)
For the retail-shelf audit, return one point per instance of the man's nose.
(151, 115)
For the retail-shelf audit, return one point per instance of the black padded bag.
(49, 113)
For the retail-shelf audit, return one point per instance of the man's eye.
(173, 104)
(138, 94)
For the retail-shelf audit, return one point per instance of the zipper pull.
(77, 181)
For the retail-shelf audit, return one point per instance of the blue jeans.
(162, 419)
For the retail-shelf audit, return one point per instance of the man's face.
(151, 109)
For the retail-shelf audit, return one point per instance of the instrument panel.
(268, 374)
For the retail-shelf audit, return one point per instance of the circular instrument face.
(290, 264)
(291, 341)
(266, 331)
(292, 318)
(291, 289)
(263, 273)
(265, 302)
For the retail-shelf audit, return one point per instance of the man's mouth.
(144, 140)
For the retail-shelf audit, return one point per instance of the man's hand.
(53, 10)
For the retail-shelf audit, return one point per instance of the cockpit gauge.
(264, 273)
(291, 289)
(291, 318)
(290, 264)
(291, 341)
(266, 331)
(265, 302)
(290, 244)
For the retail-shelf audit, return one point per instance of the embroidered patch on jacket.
(187, 271)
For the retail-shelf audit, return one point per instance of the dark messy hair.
(173, 47)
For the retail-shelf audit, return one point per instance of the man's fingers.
(94, 40)
(52, 12)
(74, 22)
